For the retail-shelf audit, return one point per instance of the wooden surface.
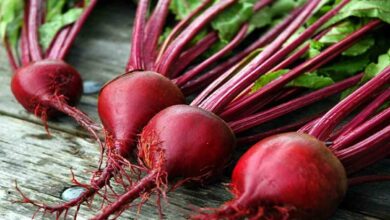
(41, 163)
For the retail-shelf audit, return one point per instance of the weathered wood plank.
(371, 199)
(41, 164)
(41, 167)
(344, 214)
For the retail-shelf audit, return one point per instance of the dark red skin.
(40, 82)
(290, 170)
(192, 142)
(182, 142)
(128, 102)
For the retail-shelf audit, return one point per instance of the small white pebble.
(91, 87)
(72, 193)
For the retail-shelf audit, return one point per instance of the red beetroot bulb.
(291, 175)
(185, 141)
(40, 87)
(128, 102)
(180, 143)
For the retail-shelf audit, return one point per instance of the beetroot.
(128, 102)
(285, 176)
(179, 142)
(42, 82)
(173, 143)
(183, 155)
(295, 175)
(42, 86)
(165, 140)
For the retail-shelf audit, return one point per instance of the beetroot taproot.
(285, 176)
(179, 143)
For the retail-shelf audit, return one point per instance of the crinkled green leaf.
(227, 23)
(230, 20)
(371, 71)
(306, 80)
(318, 12)
(49, 29)
(360, 47)
(311, 81)
(54, 8)
(267, 15)
(59, 13)
(267, 78)
(261, 19)
(324, 7)
(344, 67)
(339, 32)
(315, 48)
(374, 69)
(282, 7)
(364, 9)
(182, 8)
(11, 18)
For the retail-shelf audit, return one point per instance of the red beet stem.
(143, 186)
(10, 55)
(33, 23)
(286, 128)
(312, 64)
(294, 57)
(26, 58)
(297, 103)
(154, 27)
(350, 138)
(188, 56)
(363, 115)
(176, 47)
(328, 122)
(229, 47)
(272, 100)
(80, 117)
(243, 113)
(248, 74)
(180, 26)
(246, 107)
(232, 109)
(366, 152)
(54, 50)
(76, 27)
(267, 58)
(180, 81)
(291, 92)
(136, 60)
(210, 76)
(367, 179)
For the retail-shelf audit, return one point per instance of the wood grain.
(41, 163)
